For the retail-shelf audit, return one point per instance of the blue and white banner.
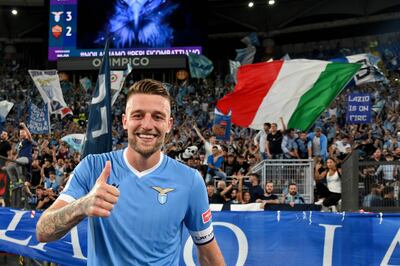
(98, 132)
(246, 55)
(39, 119)
(359, 108)
(222, 125)
(245, 238)
(74, 141)
(48, 84)
(86, 83)
(200, 66)
(369, 71)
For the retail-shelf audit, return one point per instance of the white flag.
(5, 107)
(48, 84)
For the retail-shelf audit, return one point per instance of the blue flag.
(222, 125)
(98, 133)
(39, 119)
(200, 66)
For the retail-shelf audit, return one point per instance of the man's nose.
(147, 122)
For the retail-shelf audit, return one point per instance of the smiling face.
(147, 119)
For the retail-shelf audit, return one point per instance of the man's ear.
(124, 121)
(170, 124)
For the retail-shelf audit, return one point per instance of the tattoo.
(54, 224)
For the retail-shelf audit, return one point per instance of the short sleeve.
(79, 183)
(198, 218)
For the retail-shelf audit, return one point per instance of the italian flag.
(296, 90)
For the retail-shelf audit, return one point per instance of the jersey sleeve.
(79, 183)
(198, 218)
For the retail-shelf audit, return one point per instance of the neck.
(141, 163)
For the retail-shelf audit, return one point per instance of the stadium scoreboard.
(76, 28)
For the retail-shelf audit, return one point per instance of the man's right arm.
(58, 220)
(62, 216)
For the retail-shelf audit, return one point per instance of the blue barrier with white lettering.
(245, 238)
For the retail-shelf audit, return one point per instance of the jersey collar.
(145, 172)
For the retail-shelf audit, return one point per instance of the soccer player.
(137, 199)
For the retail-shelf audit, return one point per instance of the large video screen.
(136, 27)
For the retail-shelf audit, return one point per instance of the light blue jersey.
(145, 226)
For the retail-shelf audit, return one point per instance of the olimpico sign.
(118, 62)
(121, 62)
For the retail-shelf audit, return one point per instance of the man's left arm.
(210, 254)
(198, 221)
(28, 133)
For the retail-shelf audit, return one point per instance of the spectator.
(5, 148)
(51, 182)
(317, 144)
(300, 146)
(212, 141)
(274, 141)
(268, 197)
(230, 192)
(293, 197)
(215, 165)
(254, 187)
(388, 197)
(289, 145)
(328, 194)
(24, 157)
(374, 198)
(241, 166)
(261, 139)
(213, 196)
(387, 172)
(229, 165)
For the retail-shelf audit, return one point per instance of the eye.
(136, 116)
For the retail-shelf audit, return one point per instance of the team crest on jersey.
(162, 194)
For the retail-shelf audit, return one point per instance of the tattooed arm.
(57, 220)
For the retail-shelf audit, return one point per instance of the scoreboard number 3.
(69, 16)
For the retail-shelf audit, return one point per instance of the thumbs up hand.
(102, 198)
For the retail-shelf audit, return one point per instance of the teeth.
(145, 136)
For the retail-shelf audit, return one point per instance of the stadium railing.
(286, 171)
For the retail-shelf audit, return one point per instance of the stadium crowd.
(225, 165)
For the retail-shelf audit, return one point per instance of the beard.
(145, 150)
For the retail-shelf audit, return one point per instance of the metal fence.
(379, 184)
(370, 185)
(284, 172)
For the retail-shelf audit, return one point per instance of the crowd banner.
(245, 238)
(369, 71)
(98, 133)
(48, 84)
(74, 141)
(39, 119)
(358, 108)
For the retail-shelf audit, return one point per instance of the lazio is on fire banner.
(245, 238)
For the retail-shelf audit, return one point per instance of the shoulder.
(183, 172)
(97, 161)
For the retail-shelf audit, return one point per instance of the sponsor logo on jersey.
(206, 216)
(162, 194)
